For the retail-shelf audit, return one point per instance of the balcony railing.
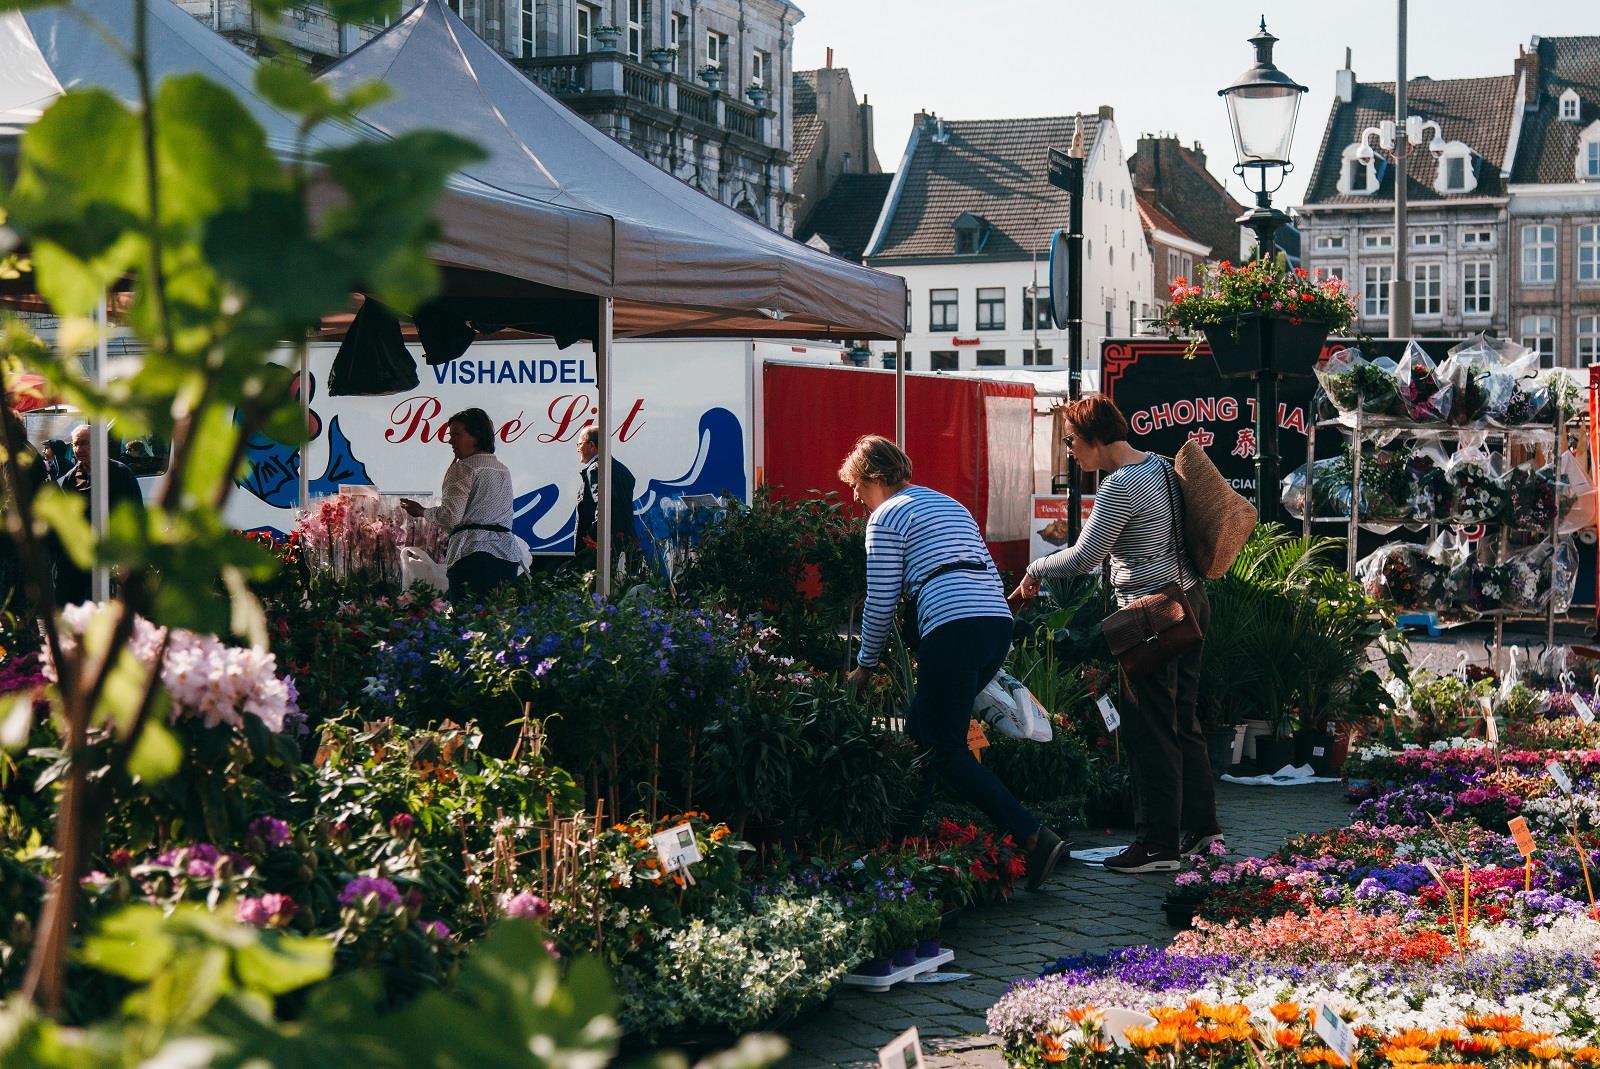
(576, 80)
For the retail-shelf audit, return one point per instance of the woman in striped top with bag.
(926, 546)
(1137, 522)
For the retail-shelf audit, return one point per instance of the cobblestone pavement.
(1082, 909)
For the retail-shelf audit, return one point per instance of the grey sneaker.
(1043, 857)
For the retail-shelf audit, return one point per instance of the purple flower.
(271, 830)
(436, 931)
(268, 911)
(370, 888)
(526, 904)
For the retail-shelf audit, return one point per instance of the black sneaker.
(1198, 843)
(1142, 858)
(1043, 857)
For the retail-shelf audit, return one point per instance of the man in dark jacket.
(624, 537)
(73, 584)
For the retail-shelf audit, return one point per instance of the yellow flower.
(1403, 1055)
(1545, 1051)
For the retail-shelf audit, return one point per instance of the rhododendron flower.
(271, 830)
(375, 889)
(402, 823)
(436, 930)
(268, 911)
(525, 904)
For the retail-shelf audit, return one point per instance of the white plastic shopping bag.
(417, 567)
(1010, 707)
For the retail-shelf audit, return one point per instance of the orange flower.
(1545, 1051)
(1493, 1022)
(1229, 1015)
(1587, 1053)
(1287, 1038)
(1284, 1012)
(651, 863)
(1162, 1035)
(1478, 1045)
(1175, 1017)
(1403, 1055)
(1084, 1013)
(719, 833)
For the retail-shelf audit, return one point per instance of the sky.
(1159, 63)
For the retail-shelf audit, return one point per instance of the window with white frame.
(1332, 271)
(760, 68)
(1330, 243)
(1538, 254)
(1588, 248)
(1174, 267)
(679, 29)
(1427, 289)
(992, 308)
(942, 312)
(1588, 335)
(1569, 106)
(1453, 173)
(1375, 279)
(1476, 239)
(527, 28)
(1477, 288)
(585, 24)
(1370, 242)
(1591, 159)
(636, 30)
(716, 48)
(1427, 239)
(1539, 334)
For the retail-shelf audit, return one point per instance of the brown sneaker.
(1142, 858)
(1043, 857)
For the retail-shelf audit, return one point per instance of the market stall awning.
(683, 263)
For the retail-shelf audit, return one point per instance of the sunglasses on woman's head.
(1068, 439)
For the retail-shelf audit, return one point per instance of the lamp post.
(1395, 139)
(1263, 103)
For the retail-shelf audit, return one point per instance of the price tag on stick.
(1582, 708)
(1336, 1032)
(902, 1052)
(1108, 713)
(1523, 837)
(676, 848)
(1559, 774)
(977, 738)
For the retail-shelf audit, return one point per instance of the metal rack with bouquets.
(1362, 427)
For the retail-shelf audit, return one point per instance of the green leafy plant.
(1264, 286)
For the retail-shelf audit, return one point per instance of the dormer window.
(1570, 106)
(1586, 168)
(971, 233)
(1358, 174)
(1458, 172)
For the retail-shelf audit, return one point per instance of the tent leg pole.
(304, 354)
(900, 392)
(99, 457)
(602, 505)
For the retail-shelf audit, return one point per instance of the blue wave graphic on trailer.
(274, 468)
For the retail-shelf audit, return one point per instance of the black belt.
(495, 527)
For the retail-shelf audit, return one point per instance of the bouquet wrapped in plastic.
(1428, 493)
(1511, 389)
(1351, 381)
(358, 533)
(1532, 492)
(1556, 387)
(1425, 395)
(1536, 575)
(1478, 492)
(1402, 573)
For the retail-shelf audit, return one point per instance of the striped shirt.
(908, 536)
(477, 489)
(1132, 523)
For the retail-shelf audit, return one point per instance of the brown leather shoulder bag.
(1155, 629)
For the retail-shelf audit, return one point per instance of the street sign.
(1060, 278)
(1066, 172)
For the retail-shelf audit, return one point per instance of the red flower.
(1307, 297)
(1302, 272)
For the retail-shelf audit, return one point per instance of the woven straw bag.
(1218, 520)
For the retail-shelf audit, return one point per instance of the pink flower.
(268, 911)
(402, 823)
(271, 830)
(436, 931)
(526, 904)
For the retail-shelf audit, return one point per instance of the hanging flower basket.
(1239, 310)
(1236, 344)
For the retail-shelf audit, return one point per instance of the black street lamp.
(1263, 103)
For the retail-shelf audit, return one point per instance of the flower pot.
(1314, 748)
(904, 957)
(1272, 753)
(662, 59)
(606, 38)
(927, 948)
(1292, 346)
(1219, 748)
(874, 967)
(1180, 913)
(1344, 738)
(1253, 732)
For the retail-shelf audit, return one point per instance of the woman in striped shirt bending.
(926, 545)
(1137, 521)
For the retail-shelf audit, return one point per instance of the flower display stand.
(885, 982)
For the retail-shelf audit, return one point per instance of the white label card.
(1581, 707)
(676, 847)
(1559, 774)
(1119, 1020)
(1108, 713)
(902, 1052)
(1336, 1032)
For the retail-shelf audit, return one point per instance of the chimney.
(1344, 82)
(1528, 64)
(830, 59)
(1106, 111)
(1146, 162)
(1199, 153)
(869, 149)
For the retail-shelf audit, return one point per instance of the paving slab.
(1082, 910)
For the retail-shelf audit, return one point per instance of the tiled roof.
(1153, 218)
(996, 168)
(846, 217)
(1549, 145)
(807, 132)
(1476, 111)
(804, 84)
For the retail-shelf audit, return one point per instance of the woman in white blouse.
(476, 506)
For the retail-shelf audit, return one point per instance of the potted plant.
(711, 74)
(663, 58)
(1183, 900)
(606, 38)
(757, 94)
(1261, 306)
